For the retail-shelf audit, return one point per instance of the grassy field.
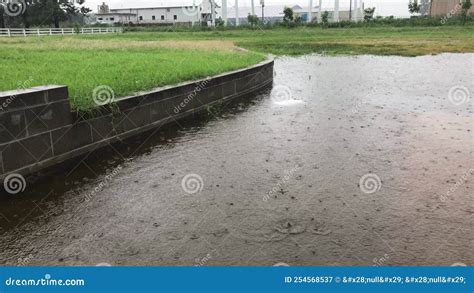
(383, 40)
(125, 66)
(132, 62)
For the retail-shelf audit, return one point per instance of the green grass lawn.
(126, 69)
(381, 40)
(132, 62)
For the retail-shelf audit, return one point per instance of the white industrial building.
(157, 15)
(232, 15)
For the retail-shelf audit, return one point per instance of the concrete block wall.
(38, 128)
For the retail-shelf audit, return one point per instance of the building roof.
(115, 13)
(162, 7)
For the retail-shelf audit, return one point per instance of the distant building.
(201, 14)
(445, 7)
(274, 13)
(156, 15)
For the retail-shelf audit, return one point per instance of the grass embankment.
(137, 61)
(127, 66)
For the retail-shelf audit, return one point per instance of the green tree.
(297, 19)
(219, 22)
(325, 18)
(465, 6)
(2, 17)
(288, 15)
(53, 12)
(369, 14)
(252, 20)
(414, 7)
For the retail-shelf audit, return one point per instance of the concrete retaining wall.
(38, 128)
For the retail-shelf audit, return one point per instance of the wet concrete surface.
(282, 178)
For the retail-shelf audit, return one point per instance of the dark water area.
(346, 161)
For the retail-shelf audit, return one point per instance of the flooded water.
(346, 161)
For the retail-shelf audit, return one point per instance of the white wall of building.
(161, 14)
(111, 18)
(157, 15)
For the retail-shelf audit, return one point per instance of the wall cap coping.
(30, 90)
(269, 60)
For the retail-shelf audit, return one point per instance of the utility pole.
(224, 11)
(253, 7)
(236, 12)
(310, 11)
(320, 9)
(194, 10)
(350, 10)
(356, 10)
(262, 2)
(213, 13)
(336, 11)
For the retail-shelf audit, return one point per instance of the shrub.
(369, 14)
(414, 7)
(325, 18)
(465, 6)
(252, 20)
(288, 15)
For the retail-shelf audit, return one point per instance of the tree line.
(28, 13)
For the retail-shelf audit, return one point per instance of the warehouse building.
(156, 15)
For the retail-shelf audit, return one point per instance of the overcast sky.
(384, 7)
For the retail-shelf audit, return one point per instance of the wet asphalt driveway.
(347, 161)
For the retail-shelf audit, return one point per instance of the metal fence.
(25, 32)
